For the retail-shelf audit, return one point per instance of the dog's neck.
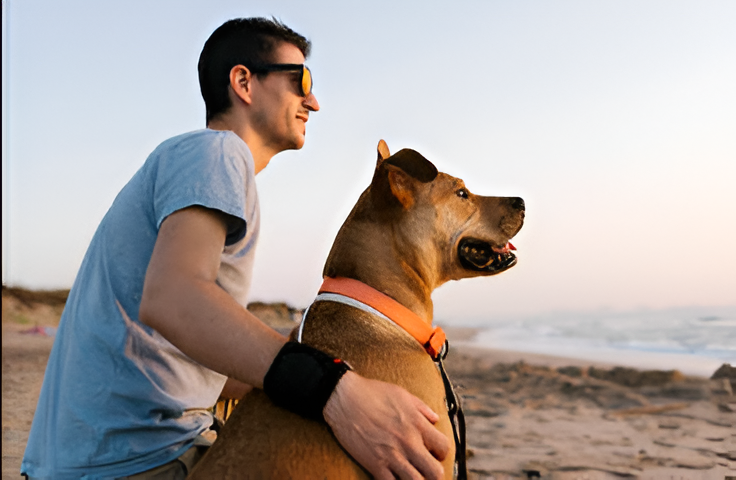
(365, 253)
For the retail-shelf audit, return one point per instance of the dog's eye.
(462, 193)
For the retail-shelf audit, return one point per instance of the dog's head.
(437, 215)
(415, 221)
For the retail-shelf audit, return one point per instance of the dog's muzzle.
(480, 256)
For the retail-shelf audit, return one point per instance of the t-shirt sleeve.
(210, 171)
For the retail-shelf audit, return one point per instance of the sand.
(564, 423)
(528, 416)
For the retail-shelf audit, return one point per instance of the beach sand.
(528, 416)
(559, 418)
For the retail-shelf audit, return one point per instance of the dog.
(412, 230)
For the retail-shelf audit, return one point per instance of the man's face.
(280, 112)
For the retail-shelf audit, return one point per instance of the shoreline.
(466, 338)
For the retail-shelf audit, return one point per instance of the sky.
(615, 121)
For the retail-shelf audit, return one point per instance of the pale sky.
(615, 121)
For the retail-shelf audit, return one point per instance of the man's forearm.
(234, 390)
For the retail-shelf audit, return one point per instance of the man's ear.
(241, 83)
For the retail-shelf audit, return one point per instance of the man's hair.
(241, 41)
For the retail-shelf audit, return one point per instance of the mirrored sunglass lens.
(306, 81)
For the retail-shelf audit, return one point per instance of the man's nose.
(311, 103)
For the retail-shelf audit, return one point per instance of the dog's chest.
(374, 347)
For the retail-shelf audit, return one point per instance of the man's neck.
(262, 155)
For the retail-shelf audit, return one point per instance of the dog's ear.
(398, 177)
(383, 152)
(401, 186)
(414, 165)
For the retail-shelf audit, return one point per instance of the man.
(157, 308)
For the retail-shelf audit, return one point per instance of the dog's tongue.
(505, 249)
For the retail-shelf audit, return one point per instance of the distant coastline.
(695, 340)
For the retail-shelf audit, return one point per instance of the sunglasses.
(306, 80)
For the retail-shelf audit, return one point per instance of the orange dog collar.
(432, 339)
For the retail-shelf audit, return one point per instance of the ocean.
(694, 340)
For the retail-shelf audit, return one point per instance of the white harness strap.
(336, 297)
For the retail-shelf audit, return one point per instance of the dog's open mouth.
(481, 256)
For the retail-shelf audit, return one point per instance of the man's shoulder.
(205, 143)
(204, 137)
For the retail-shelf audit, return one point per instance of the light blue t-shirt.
(118, 398)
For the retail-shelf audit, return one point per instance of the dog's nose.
(517, 203)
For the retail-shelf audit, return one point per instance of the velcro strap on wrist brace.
(301, 379)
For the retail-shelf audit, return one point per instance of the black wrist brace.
(301, 379)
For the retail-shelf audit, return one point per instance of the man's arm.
(234, 389)
(183, 302)
(386, 429)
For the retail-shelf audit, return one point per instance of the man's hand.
(386, 429)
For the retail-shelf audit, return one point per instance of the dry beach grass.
(528, 415)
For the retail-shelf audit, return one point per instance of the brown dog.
(412, 230)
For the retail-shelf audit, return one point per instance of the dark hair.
(241, 41)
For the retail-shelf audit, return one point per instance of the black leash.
(457, 418)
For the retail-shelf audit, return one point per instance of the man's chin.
(294, 142)
(299, 141)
